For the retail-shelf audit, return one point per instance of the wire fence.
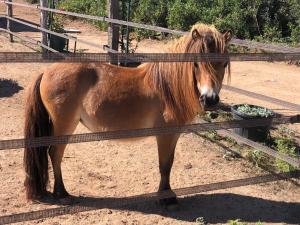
(30, 40)
(145, 132)
(69, 37)
(13, 57)
(265, 98)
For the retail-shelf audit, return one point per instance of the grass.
(238, 222)
(286, 146)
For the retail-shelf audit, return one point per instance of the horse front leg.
(166, 147)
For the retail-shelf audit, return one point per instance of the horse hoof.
(61, 194)
(170, 204)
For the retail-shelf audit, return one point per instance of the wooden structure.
(113, 29)
(44, 23)
(9, 13)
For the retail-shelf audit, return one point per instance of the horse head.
(208, 76)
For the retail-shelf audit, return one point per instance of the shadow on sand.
(9, 87)
(214, 208)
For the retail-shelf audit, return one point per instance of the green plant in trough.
(254, 110)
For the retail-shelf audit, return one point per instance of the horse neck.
(175, 91)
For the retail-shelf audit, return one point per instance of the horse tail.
(37, 124)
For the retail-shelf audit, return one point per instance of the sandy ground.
(107, 172)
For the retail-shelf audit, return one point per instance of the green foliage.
(268, 20)
(152, 12)
(200, 221)
(295, 33)
(286, 146)
(238, 222)
(212, 135)
(57, 23)
(257, 157)
(90, 7)
(286, 131)
(182, 14)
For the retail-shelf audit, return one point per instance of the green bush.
(268, 20)
(295, 33)
(90, 7)
(183, 14)
(152, 12)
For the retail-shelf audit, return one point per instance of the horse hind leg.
(56, 154)
(62, 126)
(166, 148)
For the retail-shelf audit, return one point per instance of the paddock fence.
(280, 53)
(20, 57)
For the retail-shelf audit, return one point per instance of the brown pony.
(105, 97)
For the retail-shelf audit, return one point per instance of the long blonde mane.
(174, 82)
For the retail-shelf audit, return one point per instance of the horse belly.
(121, 116)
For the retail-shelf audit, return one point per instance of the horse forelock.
(174, 82)
(210, 41)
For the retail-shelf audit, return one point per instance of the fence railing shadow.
(17, 27)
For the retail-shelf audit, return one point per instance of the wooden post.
(44, 23)
(113, 30)
(9, 12)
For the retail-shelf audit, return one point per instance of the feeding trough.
(246, 111)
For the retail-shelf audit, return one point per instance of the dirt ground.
(109, 171)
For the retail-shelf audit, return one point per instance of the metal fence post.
(44, 23)
(9, 12)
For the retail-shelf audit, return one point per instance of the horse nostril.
(209, 101)
(203, 98)
(217, 99)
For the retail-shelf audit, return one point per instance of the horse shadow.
(9, 87)
(18, 27)
(214, 208)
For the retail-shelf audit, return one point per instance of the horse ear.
(196, 35)
(227, 35)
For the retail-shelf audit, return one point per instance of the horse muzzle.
(209, 101)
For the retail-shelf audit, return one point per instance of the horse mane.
(174, 82)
